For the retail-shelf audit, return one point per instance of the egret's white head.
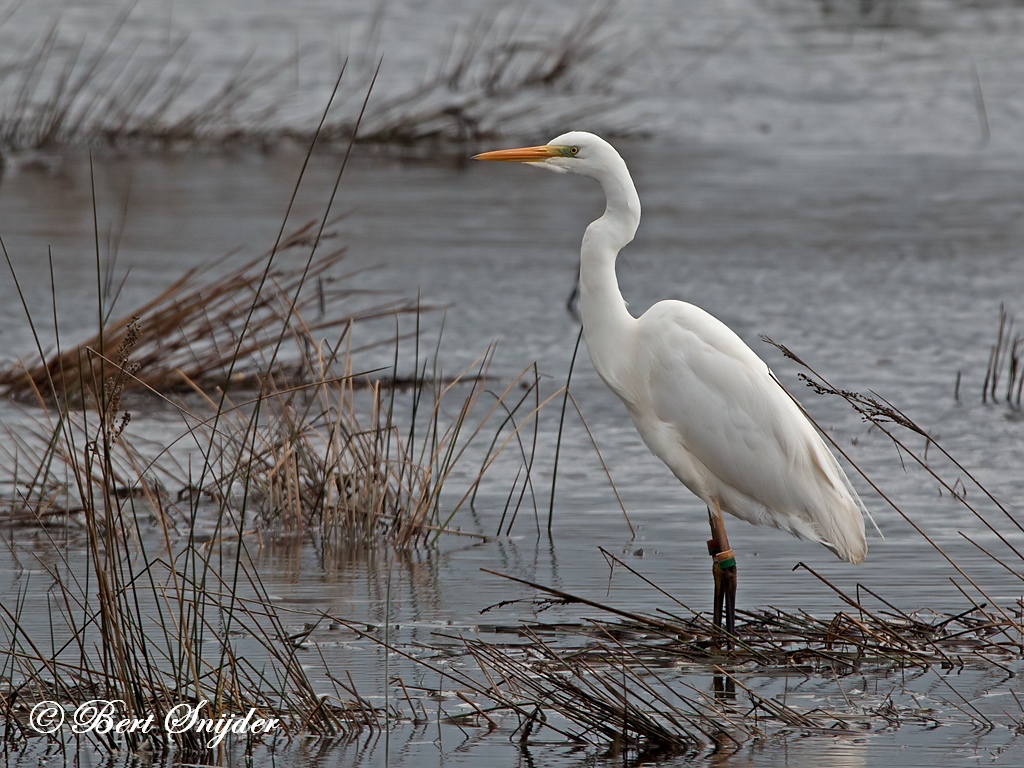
(573, 152)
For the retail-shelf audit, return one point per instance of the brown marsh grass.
(1005, 360)
(185, 338)
(167, 606)
(493, 76)
(306, 447)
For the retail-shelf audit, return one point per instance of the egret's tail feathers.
(869, 516)
(845, 521)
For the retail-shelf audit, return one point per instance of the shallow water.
(885, 272)
(877, 239)
(885, 75)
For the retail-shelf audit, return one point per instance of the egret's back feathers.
(709, 408)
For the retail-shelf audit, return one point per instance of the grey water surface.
(856, 213)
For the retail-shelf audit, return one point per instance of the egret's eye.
(574, 150)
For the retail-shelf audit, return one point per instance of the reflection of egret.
(572, 303)
(702, 401)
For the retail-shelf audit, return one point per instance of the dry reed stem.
(494, 77)
(889, 419)
(187, 336)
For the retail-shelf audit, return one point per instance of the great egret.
(700, 398)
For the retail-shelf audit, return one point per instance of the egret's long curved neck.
(606, 321)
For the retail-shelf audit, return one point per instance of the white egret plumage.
(701, 399)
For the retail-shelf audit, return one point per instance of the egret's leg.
(724, 570)
(719, 594)
(729, 588)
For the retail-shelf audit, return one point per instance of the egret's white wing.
(737, 433)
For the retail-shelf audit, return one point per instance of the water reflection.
(858, 263)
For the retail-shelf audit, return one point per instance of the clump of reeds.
(626, 685)
(168, 606)
(295, 441)
(855, 640)
(490, 78)
(64, 92)
(615, 684)
(494, 73)
(156, 628)
(365, 463)
(185, 622)
(1006, 357)
(187, 338)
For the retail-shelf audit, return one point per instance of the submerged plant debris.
(639, 684)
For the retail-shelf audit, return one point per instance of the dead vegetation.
(855, 640)
(289, 434)
(1004, 374)
(60, 92)
(213, 328)
(640, 687)
(494, 76)
(168, 605)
